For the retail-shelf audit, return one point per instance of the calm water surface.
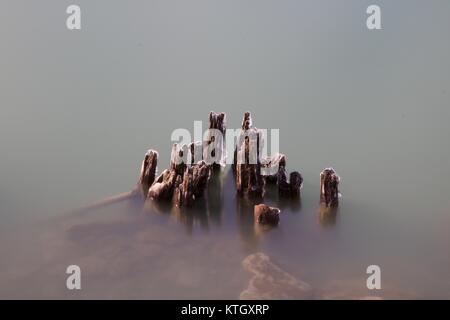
(132, 250)
(78, 110)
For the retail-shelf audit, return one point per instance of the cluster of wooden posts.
(186, 180)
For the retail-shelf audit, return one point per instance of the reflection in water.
(327, 215)
(164, 207)
(246, 225)
(215, 195)
(210, 208)
(203, 211)
(127, 253)
(131, 250)
(189, 216)
(294, 204)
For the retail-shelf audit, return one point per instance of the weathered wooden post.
(329, 192)
(266, 215)
(246, 160)
(191, 167)
(148, 172)
(201, 173)
(270, 167)
(163, 186)
(214, 152)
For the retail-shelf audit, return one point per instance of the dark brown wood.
(163, 186)
(296, 182)
(148, 172)
(217, 121)
(246, 162)
(289, 188)
(187, 179)
(192, 184)
(329, 191)
(284, 189)
(266, 215)
(215, 156)
(184, 192)
(201, 173)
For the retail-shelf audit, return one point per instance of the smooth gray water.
(79, 109)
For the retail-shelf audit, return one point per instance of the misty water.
(79, 110)
(156, 250)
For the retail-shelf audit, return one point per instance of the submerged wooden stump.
(329, 192)
(247, 164)
(165, 183)
(163, 186)
(217, 121)
(191, 167)
(266, 215)
(270, 167)
(214, 152)
(148, 172)
(189, 172)
(296, 182)
(192, 185)
(289, 188)
(252, 172)
(184, 192)
(201, 174)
